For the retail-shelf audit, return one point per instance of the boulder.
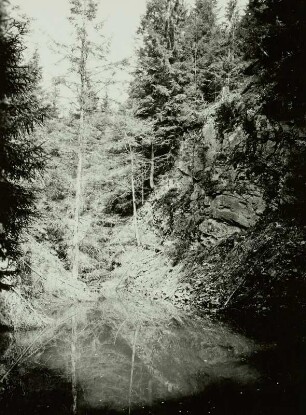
(237, 210)
(213, 231)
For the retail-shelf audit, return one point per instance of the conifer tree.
(156, 90)
(199, 49)
(273, 40)
(271, 108)
(20, 110)
(211, 52)
(85, 53)
(274, 33)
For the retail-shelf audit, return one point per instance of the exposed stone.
(194, 195)
(221, 198)
(211, 141)
(212, 231)
(236, 209)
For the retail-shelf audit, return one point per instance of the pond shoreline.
(196, 360)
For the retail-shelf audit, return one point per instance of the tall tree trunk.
(143, 169)
(152, 167)
(78, 200)
(195, 69)
(73, 365)
(142, 185)
(135, 221)
(81, 138)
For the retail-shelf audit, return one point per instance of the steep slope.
(211, 242)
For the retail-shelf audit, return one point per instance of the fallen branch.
(234, 292)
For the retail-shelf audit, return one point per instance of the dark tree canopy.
(270, 104)
(20, 110)
(200, 43)
(156, 90)
(274, 33)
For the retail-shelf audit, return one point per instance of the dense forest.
(192, 191)
(206, 157)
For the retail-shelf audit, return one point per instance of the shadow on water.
(121, 357)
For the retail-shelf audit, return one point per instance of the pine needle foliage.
(20, 110)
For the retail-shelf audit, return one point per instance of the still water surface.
(121, 357)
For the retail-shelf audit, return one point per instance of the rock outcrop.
(203, 198)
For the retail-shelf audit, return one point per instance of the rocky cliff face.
(207, 239)
(204, 200)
